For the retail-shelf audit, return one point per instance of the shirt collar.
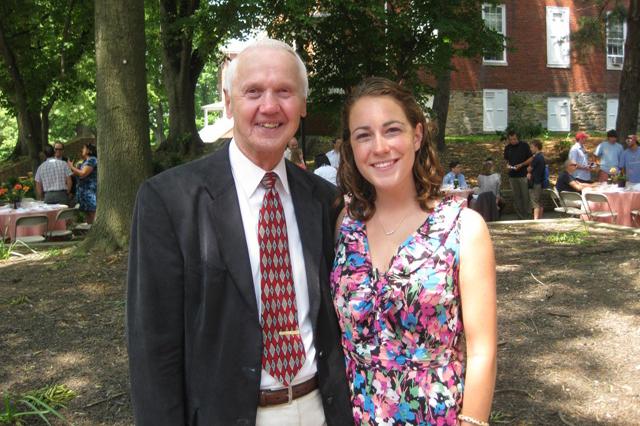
(248, 175)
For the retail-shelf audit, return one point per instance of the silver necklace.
(394, 229)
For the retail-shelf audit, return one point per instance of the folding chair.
(31, 221)
(557, 202)
(573, 204)
(599, 198)
(635, 217)
(66, 215)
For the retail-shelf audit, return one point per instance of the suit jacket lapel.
(309, 218)
(228, 223)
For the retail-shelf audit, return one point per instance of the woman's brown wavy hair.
(427, 171)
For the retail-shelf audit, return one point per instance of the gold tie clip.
(289, 332)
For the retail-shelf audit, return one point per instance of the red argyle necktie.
(283, 352)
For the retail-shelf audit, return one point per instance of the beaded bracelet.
(471, 420)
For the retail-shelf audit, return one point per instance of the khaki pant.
(304, 411)
(520, 191)
(534, 195)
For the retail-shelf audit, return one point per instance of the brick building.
(539, 77)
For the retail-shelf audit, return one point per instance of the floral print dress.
(401, 330)
(88, 186)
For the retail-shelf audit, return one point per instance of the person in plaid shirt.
(53, 179)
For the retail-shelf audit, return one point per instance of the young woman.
(88, 181)
(409, 265)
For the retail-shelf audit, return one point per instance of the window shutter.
(558, 37)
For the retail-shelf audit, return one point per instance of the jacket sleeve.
(155, 320)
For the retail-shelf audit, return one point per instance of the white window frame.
(567, 37)
(485, 92)
(503, 31)
(615, 62)
(562, 98)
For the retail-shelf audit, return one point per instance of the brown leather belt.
(286, 395)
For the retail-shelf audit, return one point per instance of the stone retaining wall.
(588, 110)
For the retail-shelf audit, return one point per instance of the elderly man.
(230, 318)
(566, 181)
(578, 154)
(630, 160)
(53, 179)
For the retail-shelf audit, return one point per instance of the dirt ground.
(569, 327)
(568, 315)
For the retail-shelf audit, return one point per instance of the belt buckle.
(289, 393)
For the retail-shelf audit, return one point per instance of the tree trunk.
(29, 128)
(441, 106)
(21, 145)
(44, 123)
(28, 121)
(124, 159)
(158, 130)
(183, 134)
(629, 96)
(181, 67)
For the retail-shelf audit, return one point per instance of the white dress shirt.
(334, 158)
(328, 173)
(247, 177)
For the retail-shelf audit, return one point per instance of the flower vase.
(622, 183)
(16, 204)
(610, 180)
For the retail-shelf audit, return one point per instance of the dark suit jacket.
(195, 342)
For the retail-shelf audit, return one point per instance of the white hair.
(267, 43)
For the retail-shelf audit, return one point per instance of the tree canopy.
(345, 41)
(41, 43)
(592, 33)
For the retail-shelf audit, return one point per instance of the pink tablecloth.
(621, 201)
(8, 219)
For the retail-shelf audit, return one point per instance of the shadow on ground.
(568, 317)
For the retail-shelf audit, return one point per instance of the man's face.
(632, 141)
(58, 150)
(266, 103)
(612, 139)
(513, 139)
(457, 169)
(533, 147)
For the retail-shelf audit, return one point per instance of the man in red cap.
(579, 155)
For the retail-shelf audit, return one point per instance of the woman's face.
(84, 152)
(384, 143)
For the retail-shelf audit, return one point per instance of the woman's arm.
(478, 295)
(82, 172)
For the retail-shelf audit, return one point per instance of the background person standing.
(53, 179)
(536, 178)
(87, 181)
(608, 152)
(518, 156)
(630, 160)
(579, 155)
